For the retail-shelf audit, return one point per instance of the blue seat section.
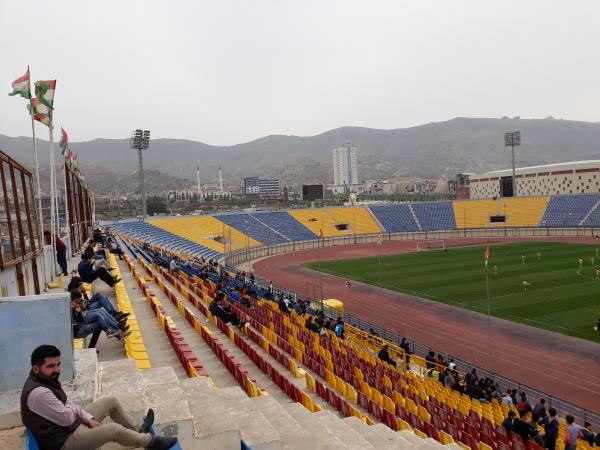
(568, 210)
(395, 217)
(161, 238)
(434, 216)
(593, 219)
(286, 225)
(248, 224)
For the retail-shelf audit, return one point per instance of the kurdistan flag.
(21, 86)
(64, 141)
(44, 90)
(40, 112)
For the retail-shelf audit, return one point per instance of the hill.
(441, 148)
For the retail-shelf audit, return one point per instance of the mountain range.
(431, 150)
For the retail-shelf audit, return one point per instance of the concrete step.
(395, 438)
(343, 431)
(367, 432)
(219, 410)
(293, 435)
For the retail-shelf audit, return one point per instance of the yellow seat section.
(207, 231)
(359, 220)
(346, 219)
(519, 212)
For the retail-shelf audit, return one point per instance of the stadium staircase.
(416, 219)
(592, 218)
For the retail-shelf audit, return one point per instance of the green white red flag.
(44, 91)
(40, 112)
(64, 141)
(22, 86)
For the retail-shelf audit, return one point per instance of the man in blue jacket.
(88, 273)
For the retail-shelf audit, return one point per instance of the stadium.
(333, 240)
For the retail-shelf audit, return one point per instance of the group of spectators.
(320, 324)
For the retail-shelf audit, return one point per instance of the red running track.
(562, 366)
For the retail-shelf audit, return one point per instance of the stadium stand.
(568, 210)
(207, 231)
(253, 227)
(593, 217)
(519, 212)
(285, 225)
(320, 219)
(151, 234)
(434, 216)
(359, 219)
(395, 217)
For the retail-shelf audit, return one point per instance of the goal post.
(434, 244)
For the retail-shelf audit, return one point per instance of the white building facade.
(579, 177)
(345, 167)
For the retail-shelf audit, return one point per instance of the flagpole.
(39, 188)
(67, 224)
(53, 229)
(489, 318)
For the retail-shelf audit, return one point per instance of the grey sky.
(225, 72)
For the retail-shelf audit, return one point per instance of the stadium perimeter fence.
(563, 407)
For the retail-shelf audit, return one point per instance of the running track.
(563, 366)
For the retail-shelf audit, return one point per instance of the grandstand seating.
(593, 219)
(253, 227)
(568, 210)
(519, 212)
(320, 219)
(359, 220)
(284, 224)
(395, 217)
(147, 232)
(434, 216)
(204, 229)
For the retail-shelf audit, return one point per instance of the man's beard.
(54, 376)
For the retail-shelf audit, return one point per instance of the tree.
(156, 205)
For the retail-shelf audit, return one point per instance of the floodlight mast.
(140, 140)
(513, 139)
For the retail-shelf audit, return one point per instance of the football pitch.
(558, 297)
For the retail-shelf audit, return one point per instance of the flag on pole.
(486, 255)
(44, 91)
(64, 141)
(40, 112)
(21, 86)
(379, 240)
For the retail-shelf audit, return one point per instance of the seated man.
(173, 266)
(58, 423)
(223, 312)
(98, 300)
(96, 319)
(89, 273)
(114, 248)
(385, 356)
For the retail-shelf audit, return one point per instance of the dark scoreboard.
(312, 192)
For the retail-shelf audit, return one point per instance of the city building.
(579, 177)
(345, 167)
(267, 187)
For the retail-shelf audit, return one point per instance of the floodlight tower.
(140, 140)
(513, 139)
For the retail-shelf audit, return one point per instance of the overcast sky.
(225, 72)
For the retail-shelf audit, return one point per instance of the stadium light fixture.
(512, 139)
(140, 140)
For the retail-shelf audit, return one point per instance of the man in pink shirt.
(59, 424)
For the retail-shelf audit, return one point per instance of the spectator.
(98, 300)
(61, 251)
(372, 332)
(58, 423)
(472, 377)
(521, 427)
(114, 248)
(404, 345)
(98, 318)
(587, 434)
(452, 364)
(88, 273)
(540, 408)
(430, 360)
(550, 425)
(339, 328)
(385, 356)
(508, 422)
(523, 404)
(449, 379)
(223, 312)
(572, 433)
(173, 266)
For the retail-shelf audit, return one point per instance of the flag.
(40, 112)
(486, 255)
(64, 141)
(379, 240)
(21, 86)
(321, 233)
(44, 91)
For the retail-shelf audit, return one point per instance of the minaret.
(220, 180)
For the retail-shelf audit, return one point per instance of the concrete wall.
(25, 323)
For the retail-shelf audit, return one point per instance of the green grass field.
(558, 299)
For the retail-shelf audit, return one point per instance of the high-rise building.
(345, 167)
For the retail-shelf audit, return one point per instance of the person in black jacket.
(385, 356)
(218, 309)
